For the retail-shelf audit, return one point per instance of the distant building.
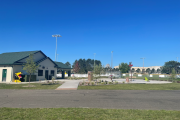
(141, 68)
(107, 66)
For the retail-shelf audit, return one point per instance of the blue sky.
(130, 28)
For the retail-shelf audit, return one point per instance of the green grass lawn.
(86, 114)
(169, 86)
(37, 86)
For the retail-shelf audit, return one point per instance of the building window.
(40, 72)
(52, 72)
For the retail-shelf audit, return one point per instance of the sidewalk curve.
(69, 85)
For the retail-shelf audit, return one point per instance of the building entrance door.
(46, 74)
(4, 75)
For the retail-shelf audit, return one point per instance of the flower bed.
(94, 83)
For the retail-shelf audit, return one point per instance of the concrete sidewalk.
(69, 85)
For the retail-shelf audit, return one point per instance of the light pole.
(56, 44)
(111, 63)
(94, 61)
(57, 57)
(112, 59)
(143, 63)
(177, 67)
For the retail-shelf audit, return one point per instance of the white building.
(11, 63)
(141, 68)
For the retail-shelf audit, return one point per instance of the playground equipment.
(146, 79)
(18, 76)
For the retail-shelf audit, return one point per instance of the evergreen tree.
(68, 64)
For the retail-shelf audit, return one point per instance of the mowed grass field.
(21, 86)
(85, 114)
(169, 86)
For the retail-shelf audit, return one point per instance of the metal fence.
(115, 74)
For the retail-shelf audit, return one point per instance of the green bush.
(116, 82)
(110, 83)
(103, 83)
(92, 83)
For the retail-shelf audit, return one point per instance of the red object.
(130, 65)
(19, 76)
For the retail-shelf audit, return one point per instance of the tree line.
(168, 68)
(82, 66)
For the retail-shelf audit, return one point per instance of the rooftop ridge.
(22, 51)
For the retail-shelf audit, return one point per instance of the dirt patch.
(29, 86)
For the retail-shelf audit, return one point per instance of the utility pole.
(177, 67)
(130, 66)
(94, 61)
(143, 63)
(112, 59)
(111, 63)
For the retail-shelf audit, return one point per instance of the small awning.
(62, 65)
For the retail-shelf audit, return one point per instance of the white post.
(56, 49)
(94, 61)
(56, 44)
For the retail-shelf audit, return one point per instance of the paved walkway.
(69, 85)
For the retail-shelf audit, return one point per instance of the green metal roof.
(12, 57)
(62, 65)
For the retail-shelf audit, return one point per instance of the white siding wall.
(48, 66)
(8, 75)
(38, 56)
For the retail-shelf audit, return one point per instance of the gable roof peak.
(11, 57)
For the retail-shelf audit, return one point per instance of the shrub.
(103, 83)
(92, 83)
(110, 83)
(53, 78)
(82, 83)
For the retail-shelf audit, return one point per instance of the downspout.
(12, 74)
